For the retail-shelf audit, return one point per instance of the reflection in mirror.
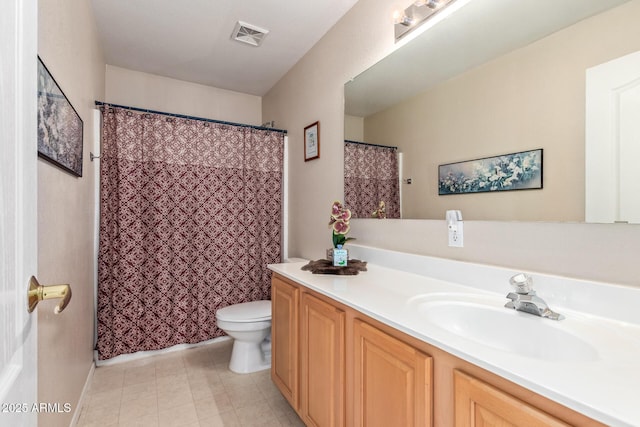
(371, 180)
(494, 78)
(613, 141)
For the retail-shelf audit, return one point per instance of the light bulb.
(431, 4)
(402, 19)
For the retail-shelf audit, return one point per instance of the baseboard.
(143, 354)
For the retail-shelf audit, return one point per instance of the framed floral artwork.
(312, 141)
(59, 125)
(516, 171)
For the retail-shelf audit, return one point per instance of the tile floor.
(186, 388)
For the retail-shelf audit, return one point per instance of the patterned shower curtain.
(190, 215)
(371, 176)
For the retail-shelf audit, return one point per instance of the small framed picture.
(312, 141)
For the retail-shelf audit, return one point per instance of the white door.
(18, 198)
(613, 141)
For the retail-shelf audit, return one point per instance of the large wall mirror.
(494, 78)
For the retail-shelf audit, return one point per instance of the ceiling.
(191, 40)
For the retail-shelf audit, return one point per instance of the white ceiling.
(191, 40)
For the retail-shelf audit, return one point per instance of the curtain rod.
(182, 116)
(371, 145)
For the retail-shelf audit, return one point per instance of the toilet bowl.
(249, 324)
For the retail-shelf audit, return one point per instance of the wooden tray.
(324, 266)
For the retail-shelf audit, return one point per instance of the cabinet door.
(322, 363)
(392, 380)
(284, 338)
(479, 404)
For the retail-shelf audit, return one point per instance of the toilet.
(249, 324)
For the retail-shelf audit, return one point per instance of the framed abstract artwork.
(59, 125)
(516, 171)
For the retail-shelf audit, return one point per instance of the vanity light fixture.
(418, 12)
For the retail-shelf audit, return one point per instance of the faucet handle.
(512, 296)
(522, 283)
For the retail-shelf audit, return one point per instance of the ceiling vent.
(250, 34)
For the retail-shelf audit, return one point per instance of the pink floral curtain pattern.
(371, 176)
(190, 215)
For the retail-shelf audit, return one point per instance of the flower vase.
(330, 254)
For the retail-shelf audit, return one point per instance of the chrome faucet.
(525, 299)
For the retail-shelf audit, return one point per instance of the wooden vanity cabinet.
(337, 366)
(307, 353)
(285, 302)
(388, 382)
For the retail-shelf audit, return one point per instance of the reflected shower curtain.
(190, 215)
(371, 176)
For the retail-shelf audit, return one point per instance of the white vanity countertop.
(602, 384)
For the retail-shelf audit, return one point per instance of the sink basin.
(487, 322)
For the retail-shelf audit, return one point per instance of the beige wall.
(68, 45)
(142, 90)
(530, 98)
(354, 128)
(313, 90)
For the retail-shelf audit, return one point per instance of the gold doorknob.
(37, 293)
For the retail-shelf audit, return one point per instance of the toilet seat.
(254, 311)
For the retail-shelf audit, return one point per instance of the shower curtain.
(190, 215)
(371, 176)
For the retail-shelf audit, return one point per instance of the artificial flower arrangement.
(381, 212)
(339, 223)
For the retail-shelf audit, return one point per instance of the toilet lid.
(246, 312)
